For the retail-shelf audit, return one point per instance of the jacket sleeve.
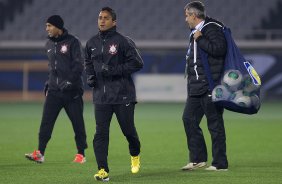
(77, 61)
(133, 61)
(88, 64)
(213, 41)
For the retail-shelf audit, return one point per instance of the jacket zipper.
(57, 80)
(103, 42)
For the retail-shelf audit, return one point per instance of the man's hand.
(197, 34)
(65, 85)
(91, 81)
(106, 70)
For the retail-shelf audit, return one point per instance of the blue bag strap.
(204, 58)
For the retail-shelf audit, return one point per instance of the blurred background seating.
(157, 26)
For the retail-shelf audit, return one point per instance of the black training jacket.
(213, 42)
(120, 54)
(65, 56)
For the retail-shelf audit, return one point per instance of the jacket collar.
(60, 37)
(108, 32)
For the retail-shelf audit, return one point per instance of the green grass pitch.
(254, 147)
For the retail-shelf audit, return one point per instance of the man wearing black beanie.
(56, 21)
(63, 89)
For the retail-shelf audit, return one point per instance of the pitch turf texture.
(254, 147)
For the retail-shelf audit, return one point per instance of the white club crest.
(64, 49)
(113, 49)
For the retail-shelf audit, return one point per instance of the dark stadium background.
(157, 26)
(159, 30)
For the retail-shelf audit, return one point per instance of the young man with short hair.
(110, 60)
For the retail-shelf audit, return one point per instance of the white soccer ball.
(255, 101)
(241, 99)
(248, 85)
(232, 79)
(220, 92)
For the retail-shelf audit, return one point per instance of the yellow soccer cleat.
(135, 164)
(102, 175)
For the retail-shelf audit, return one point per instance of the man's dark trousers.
(196, 107)
(72, 102)
(125, 117)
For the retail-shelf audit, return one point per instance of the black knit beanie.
(56, 20)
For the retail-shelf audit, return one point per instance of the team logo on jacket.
(113, 49)
(64, 49)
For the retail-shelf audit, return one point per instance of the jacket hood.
(209, 19)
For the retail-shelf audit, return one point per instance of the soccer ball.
(255, 101)
(241, 99)
(248, 84)
(232, 79)
(220, 92)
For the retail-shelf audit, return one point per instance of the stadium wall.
(23, 70)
